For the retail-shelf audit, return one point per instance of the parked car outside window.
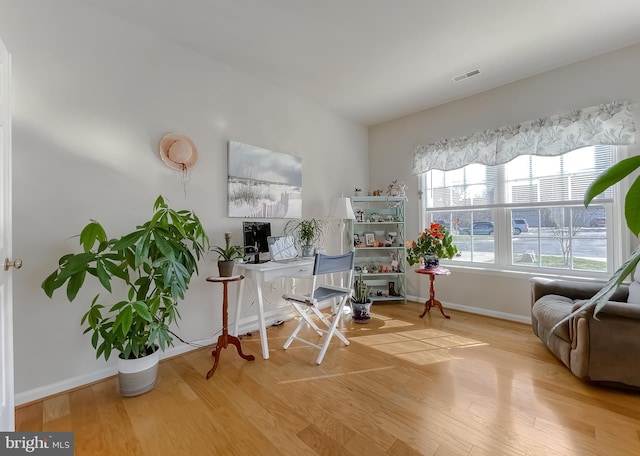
(479, 228)
(520, 226)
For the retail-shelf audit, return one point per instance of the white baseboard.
(64, 385)
(479, 311)
(75, 382)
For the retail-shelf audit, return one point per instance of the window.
(527, 214)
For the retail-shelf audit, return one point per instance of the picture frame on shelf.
(394, 262)
(369, 239)
(393, 237)
(356, 240)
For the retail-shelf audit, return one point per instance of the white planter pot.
(308, 250)
(138, 376)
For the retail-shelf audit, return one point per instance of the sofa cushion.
(549, 310)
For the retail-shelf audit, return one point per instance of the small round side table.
(432, 301)
(225, 339)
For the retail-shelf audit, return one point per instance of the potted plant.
(308, 232)
(155, 262)
(433, 243)
(360, 301)
(227, 256)
(609, 177)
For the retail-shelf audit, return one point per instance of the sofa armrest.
(605, 349)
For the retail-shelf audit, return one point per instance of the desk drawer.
(302, 271)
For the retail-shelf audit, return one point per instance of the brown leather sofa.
(606, 349)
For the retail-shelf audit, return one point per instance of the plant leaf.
(600, 299)
(142, 310)
(124, 320)
(127, 241)
(74, 284)
(100, 350)
(142, 249)
(118, 271)
(103, 275)
(164, 247)
(611, 176)
(159, 202)
(50, 284)
(179, 223)
(90, 234)
(632, 207)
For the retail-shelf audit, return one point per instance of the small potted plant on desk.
(155, 263)
(308, 232)
(227, 256)
(360, 301)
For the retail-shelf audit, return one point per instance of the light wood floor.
(405, 386)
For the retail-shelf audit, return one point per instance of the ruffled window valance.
(609, 124)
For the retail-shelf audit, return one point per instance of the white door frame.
(7, 400)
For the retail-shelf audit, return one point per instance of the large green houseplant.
(608, 178)
(155, 263)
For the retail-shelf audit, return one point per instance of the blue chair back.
(328, 264)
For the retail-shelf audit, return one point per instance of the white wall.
(613, 76)
(93, 95)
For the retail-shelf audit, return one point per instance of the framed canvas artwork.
(263, 183)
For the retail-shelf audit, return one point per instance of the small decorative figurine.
(396, 188)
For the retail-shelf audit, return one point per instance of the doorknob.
(8, 263)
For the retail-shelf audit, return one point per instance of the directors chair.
(308, 305)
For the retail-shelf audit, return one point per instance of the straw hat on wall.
(178, 151)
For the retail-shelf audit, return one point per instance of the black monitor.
(255, 238)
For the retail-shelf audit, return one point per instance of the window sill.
(526, 274)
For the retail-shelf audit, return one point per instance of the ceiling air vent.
(466, 75)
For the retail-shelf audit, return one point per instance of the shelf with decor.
(378, 235)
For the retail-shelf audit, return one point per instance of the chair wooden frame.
(308, 306)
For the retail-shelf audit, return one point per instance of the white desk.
(261, 273)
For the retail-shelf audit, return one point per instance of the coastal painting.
(263, 183)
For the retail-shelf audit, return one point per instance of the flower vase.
(431, 262)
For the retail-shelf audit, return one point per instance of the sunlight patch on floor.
(390, 322)
(424, 346)
(376, 322)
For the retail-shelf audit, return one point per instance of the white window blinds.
(525, 180)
